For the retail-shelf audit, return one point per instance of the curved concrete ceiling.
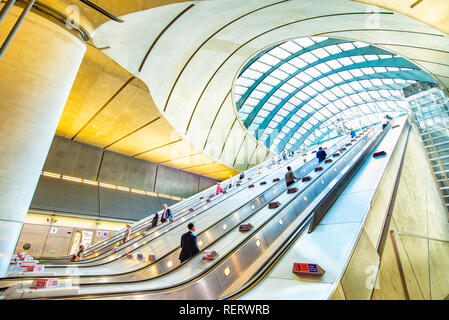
(189, 58)
(90, 14)
(110, 108)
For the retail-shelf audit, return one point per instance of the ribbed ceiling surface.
(306, 90)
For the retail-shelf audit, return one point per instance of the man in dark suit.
(321, 154)
(189, 246)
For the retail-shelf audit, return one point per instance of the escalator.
(237, 250)
(163, 244)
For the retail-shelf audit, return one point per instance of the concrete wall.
(420, 230)
(84, 161)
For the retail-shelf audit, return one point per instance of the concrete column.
(36, 76)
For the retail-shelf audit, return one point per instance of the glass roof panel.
(357, 96)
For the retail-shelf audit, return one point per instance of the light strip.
(72, 178)
(109, 186)
(50, 174)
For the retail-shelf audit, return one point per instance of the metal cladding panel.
(141, 174)
(114, 168)
(125, 171)
(205, 183)
(175, 182)
(119, 204)
(66, 196)
(73, 158)
(34, 235)
(56, 155)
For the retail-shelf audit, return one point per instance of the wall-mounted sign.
(54, 230)
(86, 238)
(105, 234)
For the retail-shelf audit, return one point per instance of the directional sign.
(245, 227)
(292, 190)
(379, 154)
(307, 268)
(273, 205)
(210, 255)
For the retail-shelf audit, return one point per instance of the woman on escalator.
(154, 221)
(78, 255)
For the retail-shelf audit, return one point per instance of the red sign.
(245, 227)
(379, 154)
(45, 283)
(307, 268)
(273, 205)
(292, 190)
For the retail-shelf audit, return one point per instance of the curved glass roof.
(303, 91)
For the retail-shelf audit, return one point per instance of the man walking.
(321, 154)
(290, 176)
(189, 246)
